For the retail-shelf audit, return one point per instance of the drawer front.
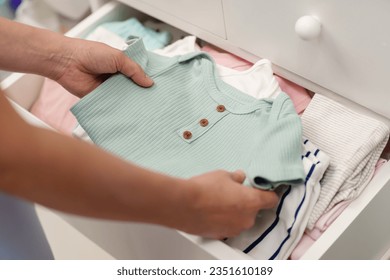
(205, 14)
(349, 57)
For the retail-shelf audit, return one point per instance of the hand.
(220, 206)
(90, 63)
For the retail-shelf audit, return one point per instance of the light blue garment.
(131, 28)
(5, 10)
(163, 127)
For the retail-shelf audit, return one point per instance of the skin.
(66, 174)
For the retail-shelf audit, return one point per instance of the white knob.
(308, 27)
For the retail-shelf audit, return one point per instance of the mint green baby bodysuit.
(191, 122)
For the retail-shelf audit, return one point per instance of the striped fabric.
(354, 143)
(191, 122)
(278, 231)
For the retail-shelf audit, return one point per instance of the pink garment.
(299, 95)
(323, 223)
(227, 59)
(53, 105)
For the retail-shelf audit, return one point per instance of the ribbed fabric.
(133, 28)
(258, 81)
(147, 125)
(354, 143)
(54, 102)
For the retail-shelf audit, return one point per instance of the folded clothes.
(53, 107)
(131, 27)
(191, 122)
(323, 223)
(257, 81)
(299, 95)
(277, 231)
(354, 143)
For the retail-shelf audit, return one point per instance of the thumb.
(132, 70)
(238, 176)
(266, 199)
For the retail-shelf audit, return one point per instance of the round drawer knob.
(308, 27)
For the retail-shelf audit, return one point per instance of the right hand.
(220, 206)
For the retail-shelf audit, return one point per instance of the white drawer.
(350, 57)
(360, 232)
(191, 15)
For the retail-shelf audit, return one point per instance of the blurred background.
(56, 15)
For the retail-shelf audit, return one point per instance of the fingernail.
(149, 79)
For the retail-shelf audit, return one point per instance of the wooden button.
(187, 134)
(221, 108)
(203, 122)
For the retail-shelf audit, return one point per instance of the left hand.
(90, 63)
(219, 206)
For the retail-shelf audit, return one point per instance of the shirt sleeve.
(277, 154)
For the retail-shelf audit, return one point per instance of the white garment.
(258, 81)
(354, 143)
(277, 231)
(180, 47)
(101, 34)
(323, 223)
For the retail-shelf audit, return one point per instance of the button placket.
(198, 127)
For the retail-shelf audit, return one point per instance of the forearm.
(32, 50)
(69, 175)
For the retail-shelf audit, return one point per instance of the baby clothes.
(53, 107)
(323, 223)
(133, 28)
(257, 81)
(180, 47)
(100, 34)
(299, 95)
(175, 34)
(54, 103)
(277, 231)
(227, 59)
(354, 143)
(190, 122)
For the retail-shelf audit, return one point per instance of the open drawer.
(358, 233)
